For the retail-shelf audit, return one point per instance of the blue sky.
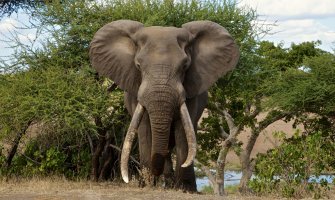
(296, 21)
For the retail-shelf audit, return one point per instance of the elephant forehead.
(158, 32)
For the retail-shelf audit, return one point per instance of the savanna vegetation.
(57, 117)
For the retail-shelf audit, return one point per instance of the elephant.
(165, 73)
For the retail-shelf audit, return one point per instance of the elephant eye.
(138, 66)
(185, 64)
(181, 42)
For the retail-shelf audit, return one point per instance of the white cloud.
(298, 31)
(298, 21)
(7, 25)
(26, 38)
(293, 9)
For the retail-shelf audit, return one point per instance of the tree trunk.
(246, 162)
(15, 145)
(220, 169)
(98, 150)
(247, 169)
(106, 160)
(229, 140)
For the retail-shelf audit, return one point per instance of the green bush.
(39, 160)
(288, 168)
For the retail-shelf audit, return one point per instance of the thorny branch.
(131, 157)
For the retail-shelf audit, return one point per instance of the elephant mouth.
(134, 124)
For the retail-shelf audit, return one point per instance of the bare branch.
(32, 160)
(269, 120)
(223, 133)
(229, 119)
(131, 157)
(227, 116)
(207, 171)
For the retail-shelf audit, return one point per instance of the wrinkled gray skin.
(161, 68)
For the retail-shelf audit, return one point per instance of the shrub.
(288, 168)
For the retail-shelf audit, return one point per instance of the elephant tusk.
(190, 135)
(135, 121)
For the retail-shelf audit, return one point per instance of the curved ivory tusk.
(190, 135)
(135, 121)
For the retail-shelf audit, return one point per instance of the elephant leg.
(185, 177)
(168, 172)
(144, 141)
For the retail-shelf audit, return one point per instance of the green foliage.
(38, 160)
(288, 168)
(305, 82)
(209, 140)
(7, 7)
(62, 104)
(63, 99)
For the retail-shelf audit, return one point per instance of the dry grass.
(57, 188)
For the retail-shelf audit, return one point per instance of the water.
(230, 178)
(234, 177)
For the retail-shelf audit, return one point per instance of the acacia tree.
(54, 86)
(235, 104)
(237, 101)
(307, 88)
(8, 7)
(304, 88)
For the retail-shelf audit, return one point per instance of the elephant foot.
(147, 179)
(186, 186)
(185, 179)
(169, 181)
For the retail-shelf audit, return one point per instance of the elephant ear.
(213, 54)
(112, 53)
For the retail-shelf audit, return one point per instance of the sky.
(296, 21)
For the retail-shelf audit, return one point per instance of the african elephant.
(165, 73)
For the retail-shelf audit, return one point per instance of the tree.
(74, 107)
(304, 86)
(7, 7)
(235, 105)
(237, 102)
(309, 87)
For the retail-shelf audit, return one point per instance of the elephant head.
(162, 66)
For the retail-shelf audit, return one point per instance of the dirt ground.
(58, 189)
(62, 189)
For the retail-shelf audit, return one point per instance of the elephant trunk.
(162, 103)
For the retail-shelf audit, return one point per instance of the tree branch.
(207, 171)
(131, 157)
(223, 133)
